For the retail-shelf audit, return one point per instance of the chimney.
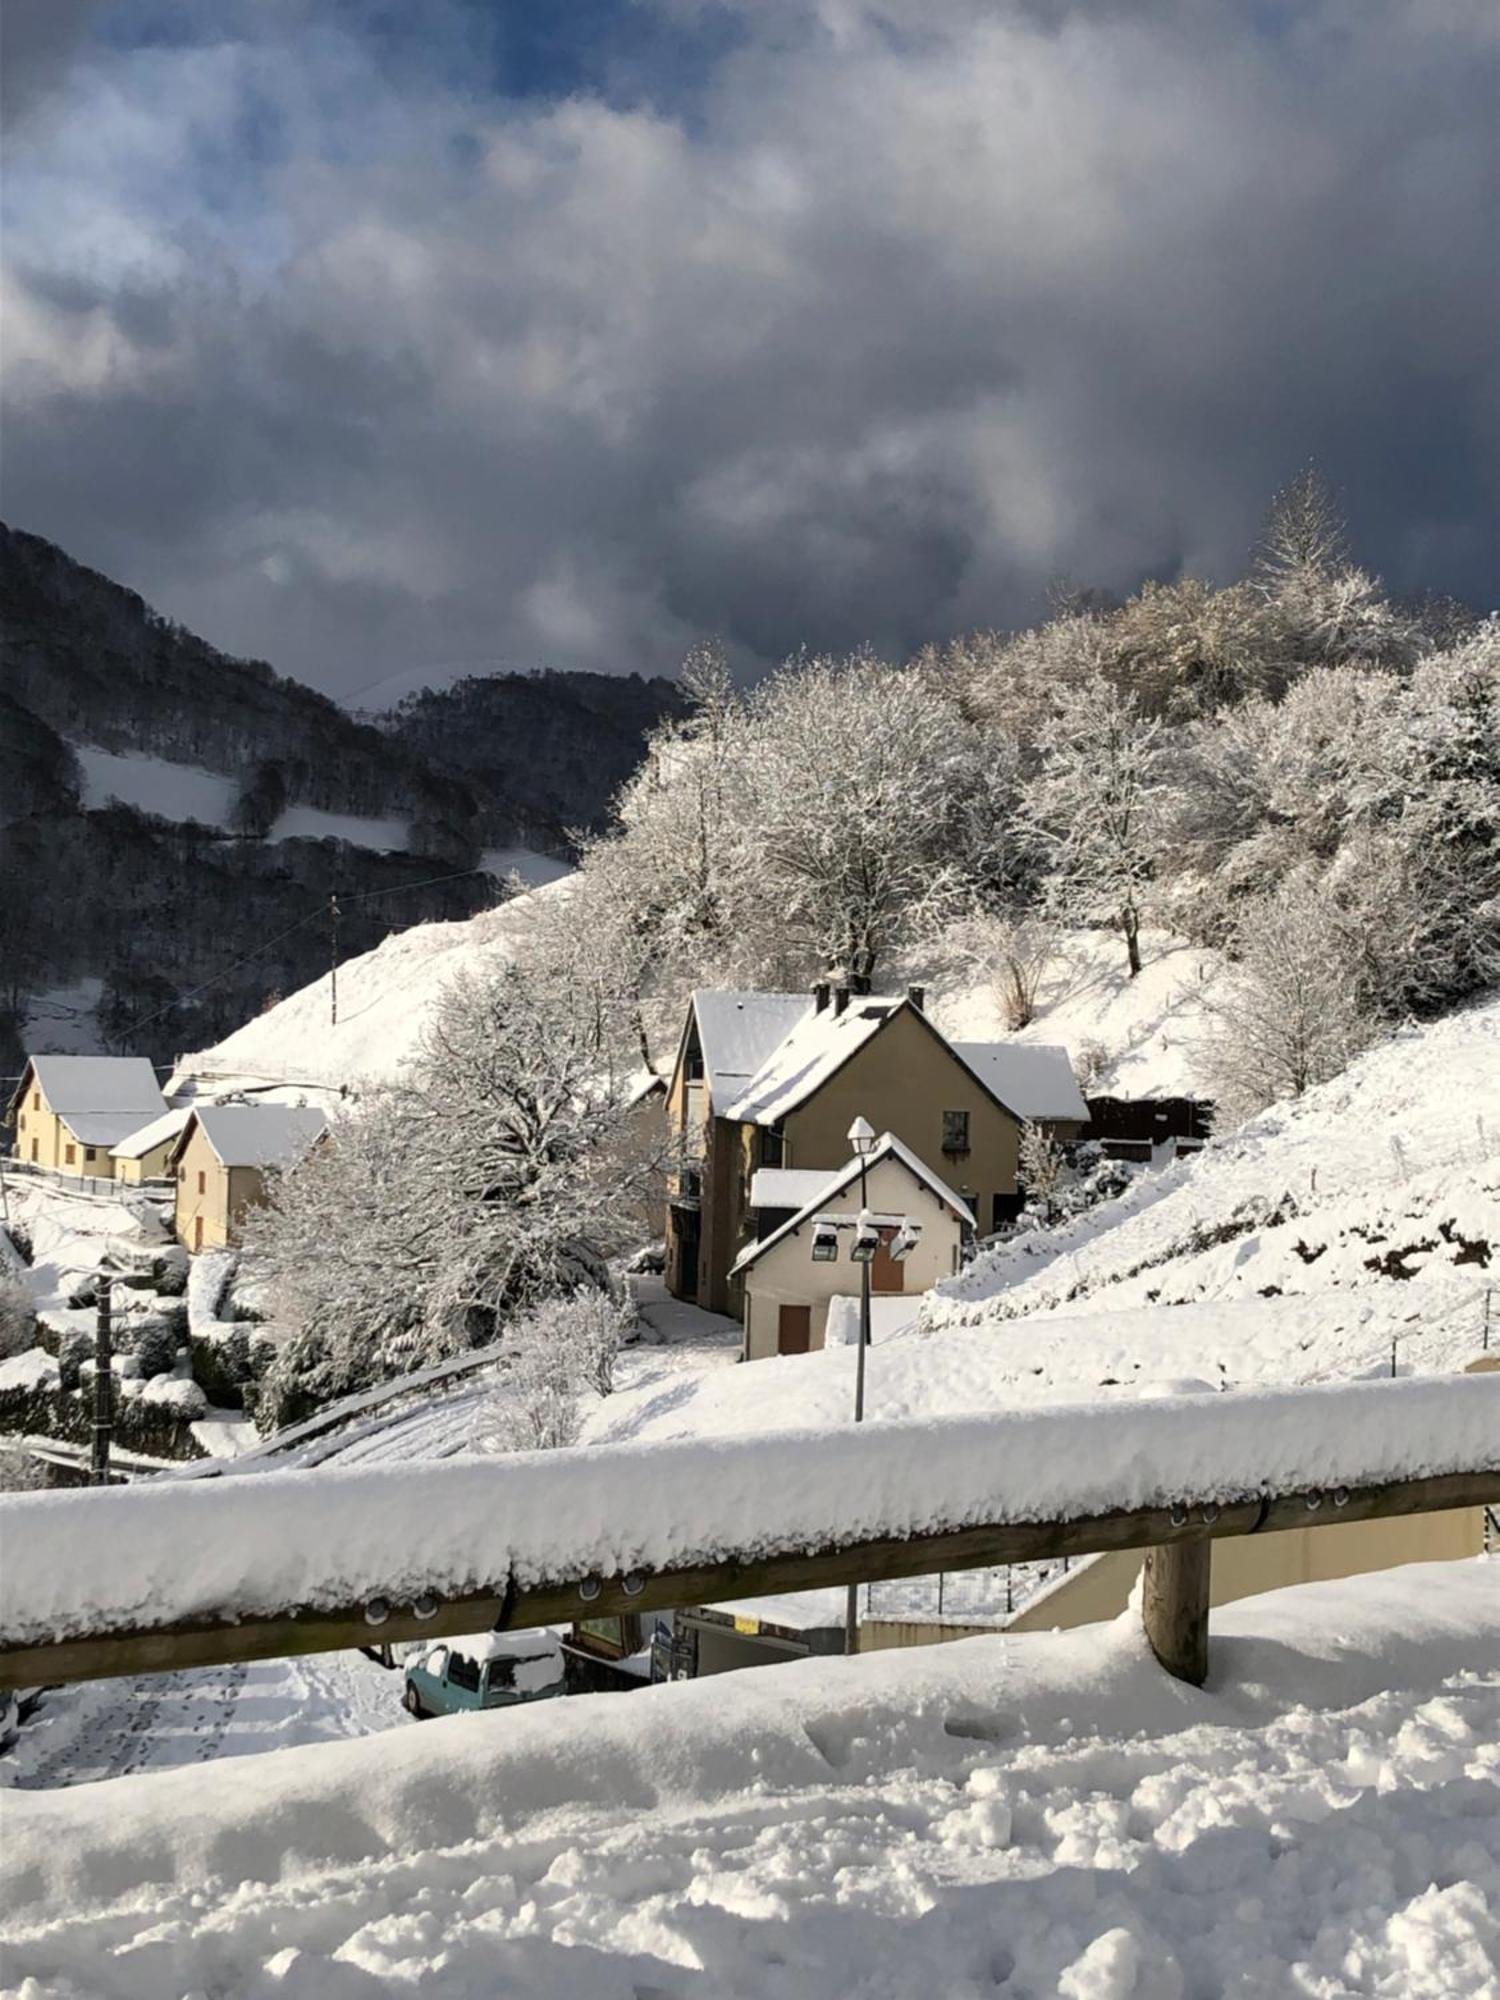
(840, 999)
(820, 995)
(917, 995)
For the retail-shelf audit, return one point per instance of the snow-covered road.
(112, 1729)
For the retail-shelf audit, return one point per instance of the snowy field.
(1040, 1816)
(189, 792)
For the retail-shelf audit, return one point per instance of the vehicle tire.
(413, 1702)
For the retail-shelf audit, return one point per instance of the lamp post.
(862, 1138)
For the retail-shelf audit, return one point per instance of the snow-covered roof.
(1032, 1079)
(539, 1644)
(137, 1144)
(738, 1031)
(887, 1147)
(101, 1099)
(259, 1135)
(788, 1187)
(816, 1045)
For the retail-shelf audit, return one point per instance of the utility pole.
(333, 960)
(104, 1384)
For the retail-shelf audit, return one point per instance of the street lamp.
(866, 1241)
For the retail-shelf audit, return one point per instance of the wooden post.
(1174, 1604)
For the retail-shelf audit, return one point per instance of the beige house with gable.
(147, 1154)
(788, 1292)
(221, 1160)
(777, 1079)
(69, 1112)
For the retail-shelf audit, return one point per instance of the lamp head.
(862, 1136)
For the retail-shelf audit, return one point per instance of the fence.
(178, 1574)
(101, 1187)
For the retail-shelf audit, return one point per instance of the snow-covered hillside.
(1011, 1815)
(386, 998)
(1380, 1188)
(1149, 1029)
(1149, 1032)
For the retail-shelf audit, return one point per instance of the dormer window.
(955, 1131)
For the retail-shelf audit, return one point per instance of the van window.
(464, 1673)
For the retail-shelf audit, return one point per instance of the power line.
(312, 917)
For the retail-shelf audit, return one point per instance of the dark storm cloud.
(883, 330)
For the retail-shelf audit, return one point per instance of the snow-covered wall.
(94, 1562)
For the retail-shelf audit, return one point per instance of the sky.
(388, 341)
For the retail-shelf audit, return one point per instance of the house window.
(202, 1181)
(955, 1131)
(88, 1152)
(70, 1154)
(36, 1100)
(772, 1147)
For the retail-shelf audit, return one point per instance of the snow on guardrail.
(90, 1563)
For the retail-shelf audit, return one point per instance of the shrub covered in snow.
(17, 1314)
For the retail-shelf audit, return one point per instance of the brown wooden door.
(886, 1275)
(794, 1330)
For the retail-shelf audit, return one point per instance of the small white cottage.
(787, 1288)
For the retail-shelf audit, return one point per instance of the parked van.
(483, 1670)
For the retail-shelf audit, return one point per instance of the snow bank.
(81, 1562)
(1041, 1815)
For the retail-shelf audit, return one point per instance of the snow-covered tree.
(443, 1206)
(857, 774)
(1304, 534)
(1041, 1168)
(1289, 1017)
(1095, 805)
(17, 1314)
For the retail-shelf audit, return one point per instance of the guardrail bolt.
(1210, 1514)
(426, 1605)
(1341, 1496)
(633, 1583)
(590, 1588)
(377, 1611)
(1314, 1502)
(1179, 1516)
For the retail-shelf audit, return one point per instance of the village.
(749, 1002)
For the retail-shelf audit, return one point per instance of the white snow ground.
(1039, 1816)
(159, 1722)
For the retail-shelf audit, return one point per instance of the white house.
(788, 1290)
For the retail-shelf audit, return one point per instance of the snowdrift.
(1044, 1815)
